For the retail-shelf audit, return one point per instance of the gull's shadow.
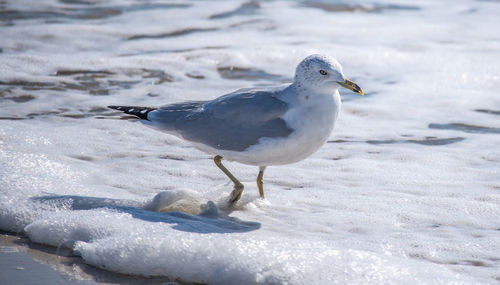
(211, 220)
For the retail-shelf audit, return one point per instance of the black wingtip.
(114, 107)
(140, 112)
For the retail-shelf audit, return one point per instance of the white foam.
(186, 201)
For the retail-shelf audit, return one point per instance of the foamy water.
(405, 191)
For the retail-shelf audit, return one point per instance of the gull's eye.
(323, 72)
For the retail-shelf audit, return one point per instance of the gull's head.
(322, 74)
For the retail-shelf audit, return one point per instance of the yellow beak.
(351, 86)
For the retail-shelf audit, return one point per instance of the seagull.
(259, 126)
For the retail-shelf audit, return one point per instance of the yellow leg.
(260, 184)
(238, 187)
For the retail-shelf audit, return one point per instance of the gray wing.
(232, 122)
(166, 117)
